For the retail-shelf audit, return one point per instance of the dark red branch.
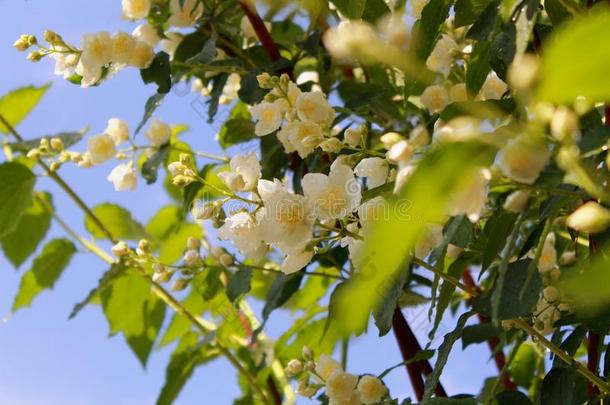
(593, 341)
(409, 346)
(493, 342)
(261, 31)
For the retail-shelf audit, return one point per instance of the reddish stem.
(593, 341)
(261, 31)
(493, 342)
(409, 346)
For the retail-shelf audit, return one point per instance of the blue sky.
(50, 360)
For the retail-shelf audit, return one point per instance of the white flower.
(394, 29)
(441, 58)
(390, 139)
(589, 217)
(247, 168)
(419, 136)
(309, 76)
(353, 136)
(286, 218)
(401, 151)
(185, 16)
(248, 30)
(300, 136)
(430, 239)
(313, 106)
(404, 172)
(523, 71)
(353, 399)
(170, 44)
(434, 98)
(334, 196)
(548, 256)
(244, 233)
(142, 55)
(417, 7)
(123, 177)
(118, 130)
(120, 249)
(147, 33)
(470, 195)
(97, 52)
(564, 125)
(192, 258)
(135, 9)
(371, 389)
(326, 365)
(122, 47)
(458, 93)
(515, 202)
(493, 87)
(65, 64)
(374, 169)
(158, 133)
(351, 40)
(296, 260)
(100, 148)
(522, 159)
(269, 117)
(340, 385)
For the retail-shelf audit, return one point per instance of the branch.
(409, 346)
(261, 31)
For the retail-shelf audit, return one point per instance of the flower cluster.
(341, 387)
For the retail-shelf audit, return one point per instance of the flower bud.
(419, 136)
(176, 168)
(294, 367)
(332, 145)
(523, 71)
(305, 389)
(35, 56)
(193, 243)
(516, 201)
(144, 245)
(57, 144)
(207, 211)
(161, 277)
(180, 284)
(307, 353)
(24, 42)
(226, 260)
(182, 181)
(550, 293)
(312, 141)
(352, 136)
(589, 217)
(33, 153)
(390, 139)
(264, 80)
(52, 37)
(185, 159)
(54, 166)
(120, 249)
(158, 268)
(400, 152)
(564, 125)
(192, 258)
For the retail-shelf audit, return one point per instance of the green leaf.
(422, 201)
(485, 24)
(151, 166)
(523, 367)
(427, 30)
(17, 104)
(352, 9)
(478, 67)
(468, 11)
(115, 271)
(503, 50)
(495, 233)
(67, 138)
(283, 287)
(571, 345)
(583, 40)
(187, 356)
(180, 325)
(558, 387)
(150, 106)
(385, 311)
(443, 355)
(249, 91)
(132, 309)
(207, 53)
(274, 161)
(510, 303)
(478, 334)
(239, 284)
(17, 185)
(557, 11)
(159, 72)
(419, 356)
(374, 10)
(511, 398)
(117, 220)
(45, 271)
(31, 230)
(239, 128)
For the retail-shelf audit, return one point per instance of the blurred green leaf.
(17, 104)
(117, 220)
(523, 367)
(31, 230)
(17, 185)
(239, 284)
(45, 271)
(584, 40)
(159, 72)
